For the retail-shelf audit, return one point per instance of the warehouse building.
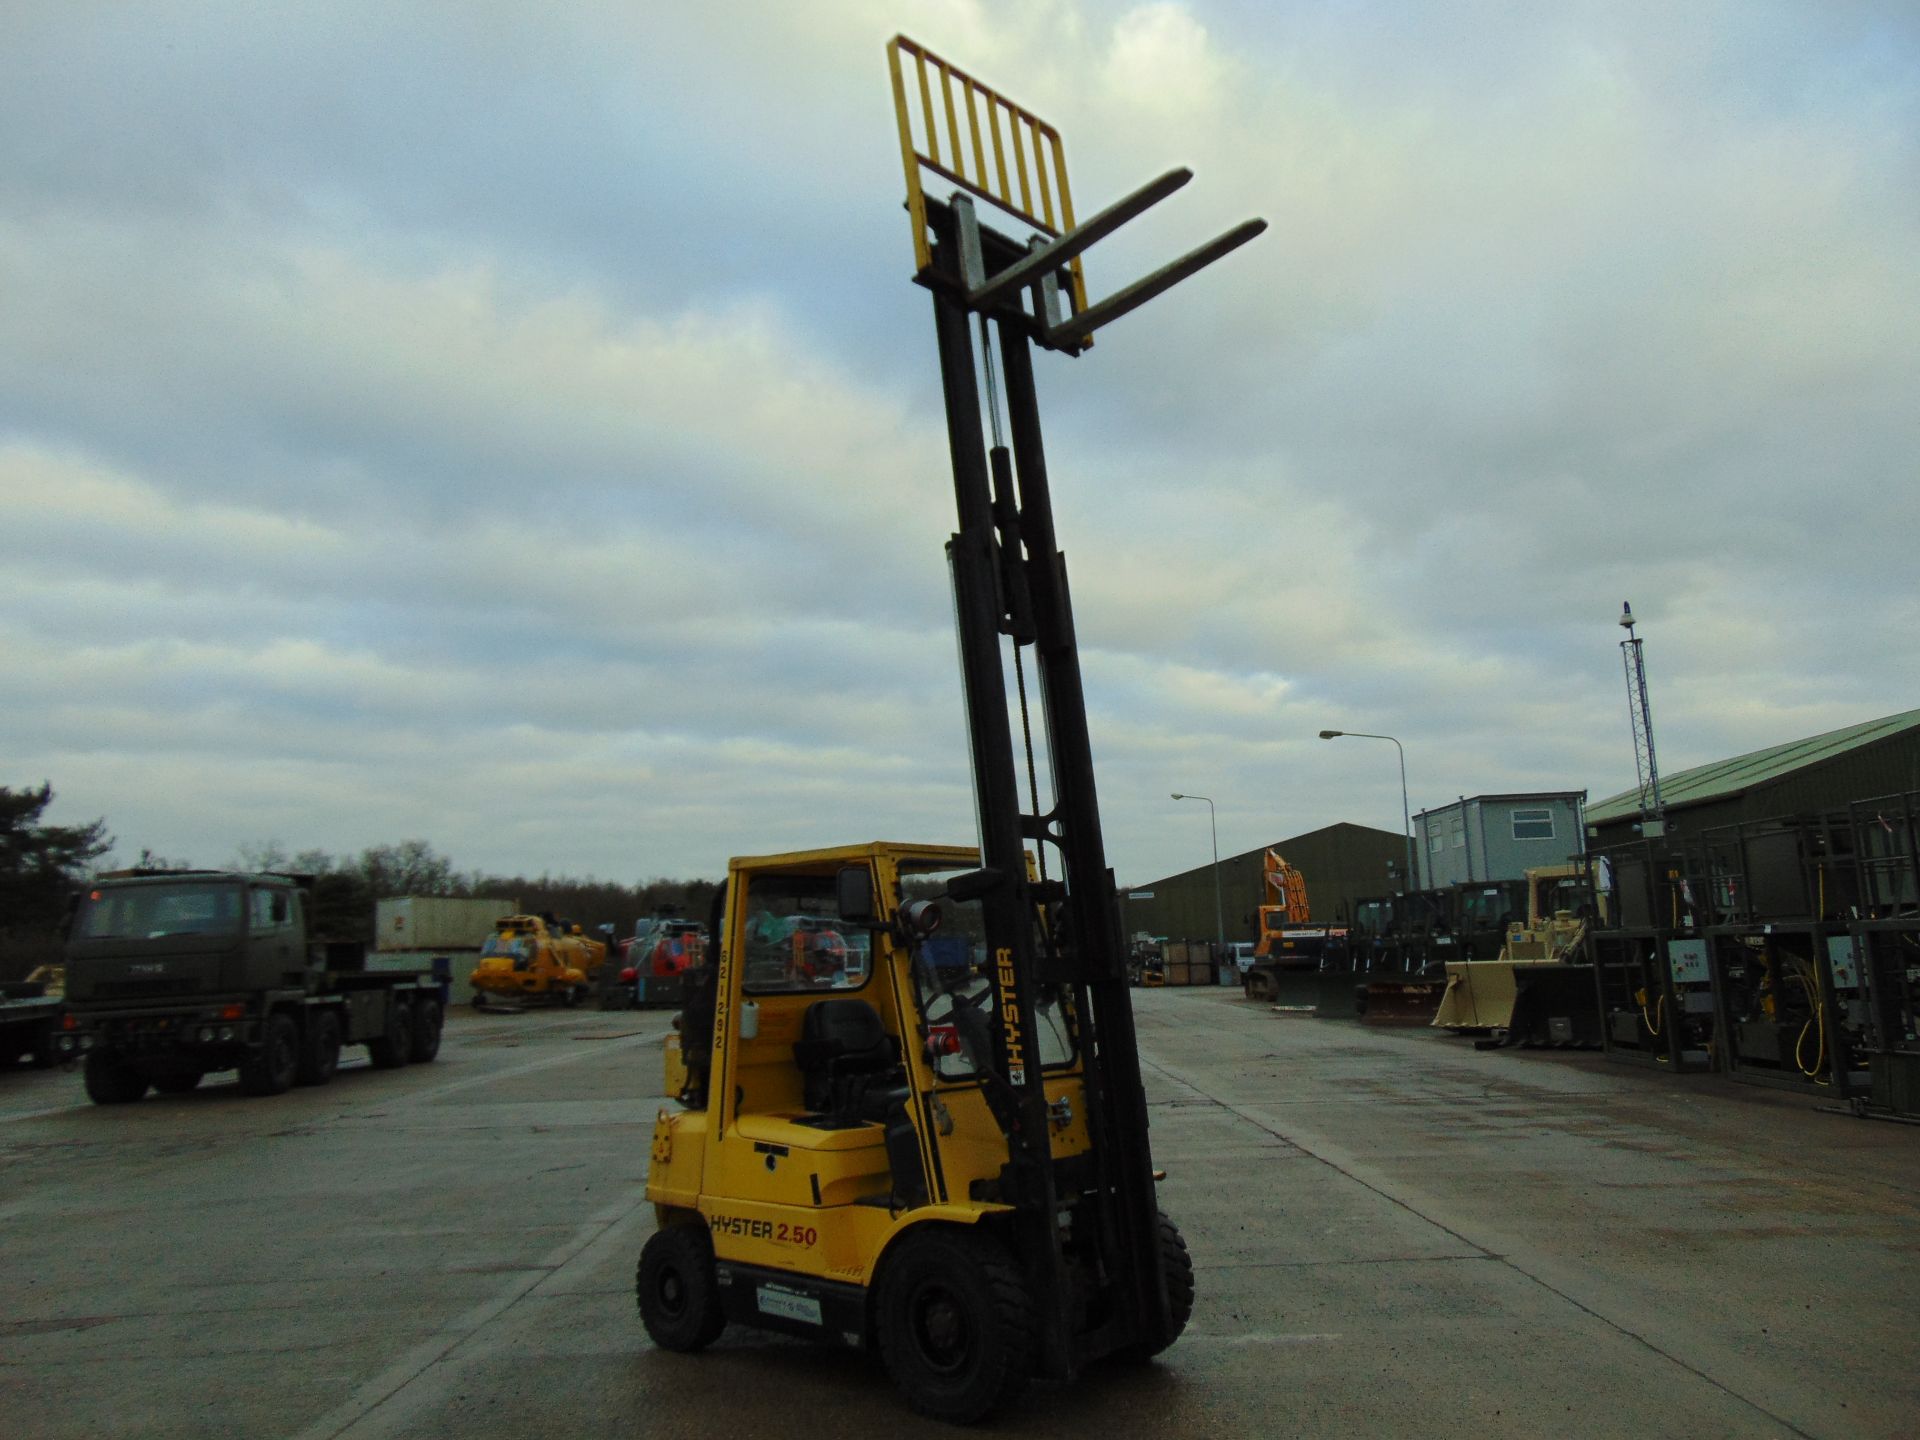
(1822, 772)
(1342, 863)
(1496, 837)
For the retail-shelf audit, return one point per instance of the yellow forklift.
(944, 1154)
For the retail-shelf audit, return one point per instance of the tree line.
(43, 867)
(346, 887)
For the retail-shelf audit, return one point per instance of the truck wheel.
(178, 1083)
(427, 1020)
(270, 1069)
(1177, 1265)
(956, 1324)
(393, 1049)
(112, 1081)
(677, 1289)
(320, 1056)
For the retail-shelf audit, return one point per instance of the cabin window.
(1533, 824)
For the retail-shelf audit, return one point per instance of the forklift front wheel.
(677, 1289)
(1177, 1265)
(956, 1324)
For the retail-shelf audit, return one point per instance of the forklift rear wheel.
(427, 1020)
(677, 1289)
(113, 1081)
(1177, 1265)
(271, 1068)
(320, 1057)
(956, 1324)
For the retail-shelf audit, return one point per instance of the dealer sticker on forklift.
(788, 1304)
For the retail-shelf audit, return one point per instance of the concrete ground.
(1394, 1235)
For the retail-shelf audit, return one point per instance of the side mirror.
(853, 888)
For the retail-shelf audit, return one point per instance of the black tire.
(177, 1083)
(479, 999)
(1177, 1265)
(113, 1081)
(677, 1289)
(270, 1069)
(395, 1048)
(956, 1324)
(320, 1056)
(427, 1021)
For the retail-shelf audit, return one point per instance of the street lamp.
(1406, 810)
(1219, 914)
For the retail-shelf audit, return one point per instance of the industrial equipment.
(1537, 990)
(950, 1159)
(536, 957)
(1292, 952)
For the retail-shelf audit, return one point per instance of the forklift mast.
(1057, 927)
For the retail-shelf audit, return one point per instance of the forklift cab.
(850, 1131)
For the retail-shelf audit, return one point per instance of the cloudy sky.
(514, 425)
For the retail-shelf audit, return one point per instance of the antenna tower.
(1653, 811)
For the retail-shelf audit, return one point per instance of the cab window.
(270, 910)
(795, 941)
(954, 989)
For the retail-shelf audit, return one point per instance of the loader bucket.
(1394, 1003)
(1479, 995)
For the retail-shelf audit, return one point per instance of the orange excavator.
(1286, 904)
(1289, 940)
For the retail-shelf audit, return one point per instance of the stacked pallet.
(1187, 962)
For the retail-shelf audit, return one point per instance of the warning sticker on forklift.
(789, 1304)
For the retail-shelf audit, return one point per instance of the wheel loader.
(942, 1154)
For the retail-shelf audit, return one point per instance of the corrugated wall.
(1341, 863)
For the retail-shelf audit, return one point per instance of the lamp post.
(1406, 810)
(1219, 913)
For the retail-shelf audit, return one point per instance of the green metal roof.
(1723, 778)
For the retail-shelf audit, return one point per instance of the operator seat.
(849, 1064)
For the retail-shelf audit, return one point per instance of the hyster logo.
(741, 1226)
(1010, 1033)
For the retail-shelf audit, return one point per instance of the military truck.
(176, 975)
